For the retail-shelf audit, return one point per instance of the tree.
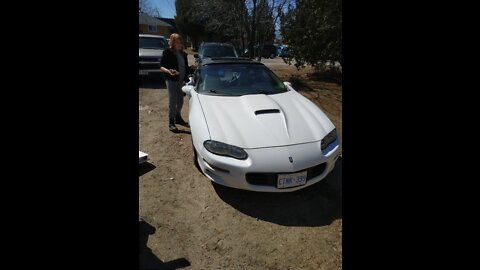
(211, 14)
(313, 31)
(218, 20)
(147, 7)
(186, 21)
(230, 20)
(268, 16)
(260, 21)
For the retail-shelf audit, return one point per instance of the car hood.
(150, 52)
(257, 121)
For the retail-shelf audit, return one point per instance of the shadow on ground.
(145, 168)
(181, 131)
(317, 205)
(148, 260)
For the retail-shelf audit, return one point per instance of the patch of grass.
(327, 74)
(299, 84)
(190, 51)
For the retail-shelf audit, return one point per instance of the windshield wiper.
(264, 92)
(215, 92)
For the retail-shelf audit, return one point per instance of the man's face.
(177, 44)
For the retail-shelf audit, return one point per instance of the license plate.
(292, 179)
(143, 72)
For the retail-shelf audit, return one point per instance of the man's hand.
(173, 72)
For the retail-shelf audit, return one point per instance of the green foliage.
(227, 20)
(185, 19)
(313, 32)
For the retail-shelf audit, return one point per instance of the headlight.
(331, 137)
(224, 149)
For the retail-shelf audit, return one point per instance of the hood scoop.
(267, 111)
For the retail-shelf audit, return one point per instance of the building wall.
(161, 30)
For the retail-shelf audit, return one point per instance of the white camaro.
(252, 131)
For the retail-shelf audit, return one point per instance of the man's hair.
(173, 38)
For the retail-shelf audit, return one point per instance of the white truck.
(150, 50)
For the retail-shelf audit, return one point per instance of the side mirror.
(190, 80)
(288, 85)
(195, 55)
(187, 89)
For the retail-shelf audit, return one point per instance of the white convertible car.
(252, 131)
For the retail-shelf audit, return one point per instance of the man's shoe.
(171, 126)
(180, 121)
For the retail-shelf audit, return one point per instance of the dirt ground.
(191, 223)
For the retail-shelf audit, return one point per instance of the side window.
(152, 28)
(163, 43)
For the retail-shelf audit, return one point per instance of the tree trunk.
(243, 44)
(252, 32)
(260, 48)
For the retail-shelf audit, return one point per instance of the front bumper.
(146, 72)
(148, 67)
(269, 162)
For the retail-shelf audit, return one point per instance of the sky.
(166, 7)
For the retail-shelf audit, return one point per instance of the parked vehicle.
(266, 51)
(282, 50)
(214, 49)
(252, 131)
(150, 50)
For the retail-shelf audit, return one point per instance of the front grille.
(150, 66)
(270, 179)
(148, 59)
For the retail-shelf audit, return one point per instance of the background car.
(150, 50)
(282, 50)
(252, 131)
(214, 49)
(266, 51)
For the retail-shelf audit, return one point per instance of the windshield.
(152, 43)
(238, 79)
(218, 51)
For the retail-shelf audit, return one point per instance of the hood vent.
(267, 111)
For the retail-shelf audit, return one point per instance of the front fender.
(198, 124)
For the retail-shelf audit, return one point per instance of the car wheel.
(272, 55)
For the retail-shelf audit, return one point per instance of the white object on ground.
(142, 157)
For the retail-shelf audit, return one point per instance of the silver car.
(150, 50)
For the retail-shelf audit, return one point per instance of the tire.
(272, 55)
